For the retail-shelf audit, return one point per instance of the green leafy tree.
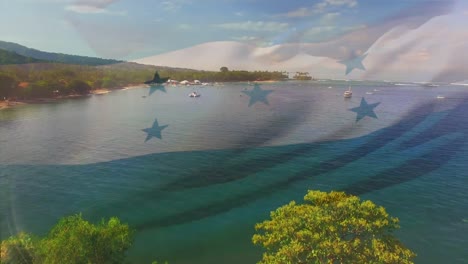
(18, 250)
(74, 240)
(7, 86)
(109, 82)
(331, 228)
(224, 69)
(80, 87)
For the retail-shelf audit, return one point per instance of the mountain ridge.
(54, 57)
(10, 57)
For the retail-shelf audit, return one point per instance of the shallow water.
(221, 166)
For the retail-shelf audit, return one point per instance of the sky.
(129, 29)
(126, 29)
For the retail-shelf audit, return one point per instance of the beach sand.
(8, 104)
(100, 91)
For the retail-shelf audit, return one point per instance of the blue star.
(154, 88)
(364, 110)
(354, 63)
(154, 131)
(257, 95)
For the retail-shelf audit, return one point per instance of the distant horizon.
(404, 40)
(461, 82)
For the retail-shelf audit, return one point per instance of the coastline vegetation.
(331, 228)
(302, 76)
(23, 53)
(9, 57)
(55, 80)
(73, 240)
(328, 228)
(224, 75)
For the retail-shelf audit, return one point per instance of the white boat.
(194, 94)
(348, 93)
(173, 82)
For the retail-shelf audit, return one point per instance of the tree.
(18, 250)
(7, 86)
(80, 87)
(224, 69)
(108, 82)
(74, 240)
(331, 228)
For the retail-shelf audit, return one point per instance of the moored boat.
(194, 94)
(348, 93)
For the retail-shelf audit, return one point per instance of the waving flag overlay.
(193, 166)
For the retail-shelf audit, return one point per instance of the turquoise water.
(221, 166)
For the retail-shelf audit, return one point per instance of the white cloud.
(92, 7)
(318, 8)
(301, 12)
(245, 38)
(317, 31)
(84, 9)
(349, 3)
(239, 14)
(53, 1)
(255, 26)
(329, 18)
(321, 7)
(173, 5)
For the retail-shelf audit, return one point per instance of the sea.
(192, 176)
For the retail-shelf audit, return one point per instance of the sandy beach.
(100, 91)
(9, 104)
(268, 81)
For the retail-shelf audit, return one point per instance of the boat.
(194, 94)
(348, 93)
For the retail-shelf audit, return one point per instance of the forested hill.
(54, 57)
(9, 57)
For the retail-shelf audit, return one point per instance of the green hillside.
(54, 57)
(9, 57)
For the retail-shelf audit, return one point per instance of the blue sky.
(126, 29)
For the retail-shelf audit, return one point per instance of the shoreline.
(101, 91)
